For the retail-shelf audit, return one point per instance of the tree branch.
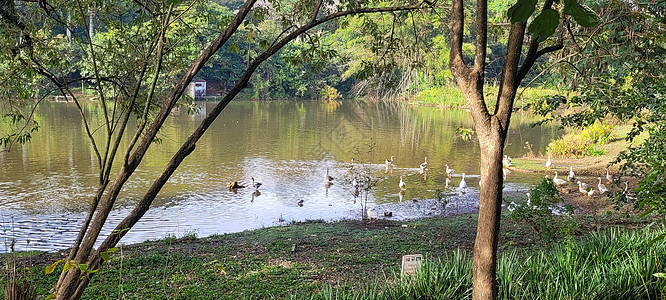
(456, 62)
(481, 39)
(532, 53)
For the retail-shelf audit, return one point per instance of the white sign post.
(411, 264)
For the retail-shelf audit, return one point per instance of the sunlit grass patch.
(585, 143)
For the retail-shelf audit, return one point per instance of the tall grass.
(614, 264)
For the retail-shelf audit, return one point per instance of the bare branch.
(456, 62)
(481, 38)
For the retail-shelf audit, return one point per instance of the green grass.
(584, 143)
(608, 265)
(449, 96)
(343, 260)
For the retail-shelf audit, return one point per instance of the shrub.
(329, 93)
(583, 143)
(540, 212)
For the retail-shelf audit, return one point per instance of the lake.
(46, 185)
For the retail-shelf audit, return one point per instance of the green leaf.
(67, 266)
(660, 275)
(521, 11)
(49, 297)
(657, 239)
(544, 24)
(105, 256)
(111, 250)
(582, 14)
(264, 44)
(82, 267)
(52, 267)
(233, 47)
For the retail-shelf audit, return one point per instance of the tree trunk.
(484, 268)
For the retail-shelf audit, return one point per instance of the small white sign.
(411, 263)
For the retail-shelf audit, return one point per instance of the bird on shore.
(328, 177)
(390, 161)
(582, 187)
(506, 161)
(558, 181)
(571, 176)
(591, 193)
(402, 184)
(424, 165)
(548, 163)
(449, 172)
(255, 184)
(300, 202)
(608, 176)
(602, 188)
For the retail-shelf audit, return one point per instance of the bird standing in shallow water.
(255, 184)
(462, 187)
(390, 161)
(449, 172)
(328, 177)
(424, 165)
(402, 184)
(463, 184)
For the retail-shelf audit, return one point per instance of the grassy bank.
(351, 259)
(590, 165)
(449, 96)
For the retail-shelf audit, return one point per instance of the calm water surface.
(46, 185)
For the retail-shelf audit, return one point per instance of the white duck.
(571, 176)
(582, 187)
(602, 188)
(389, 162)
(558, 181)
(402, 184)
(548, 163)
(608, 176)
(463, 184)
(449, 172)
(462, 187)
(506, 161)
(424, 165)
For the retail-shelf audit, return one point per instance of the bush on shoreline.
(581, 144)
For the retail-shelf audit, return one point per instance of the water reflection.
(290, 147)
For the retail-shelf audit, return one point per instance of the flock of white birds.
(584, 188)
